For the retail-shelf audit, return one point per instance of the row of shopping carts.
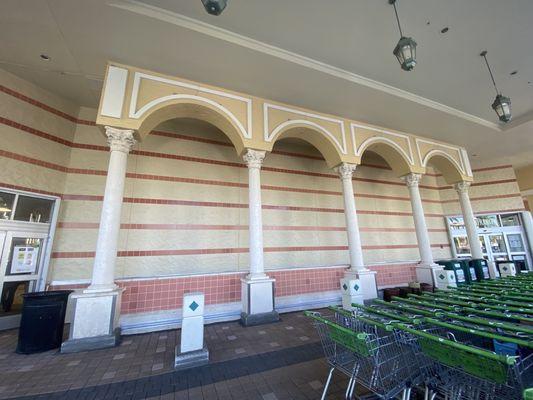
(471, 343)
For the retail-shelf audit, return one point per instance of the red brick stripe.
(43, 106)
(95, 225)
(240, 250)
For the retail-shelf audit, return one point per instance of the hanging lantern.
(501, 104)
(215, 7)
(405, 50)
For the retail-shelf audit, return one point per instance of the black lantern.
(405, 50)
(215, 7)
(501, 104)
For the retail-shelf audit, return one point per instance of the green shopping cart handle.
(519, 342)
(382, 313)
(527, 311)
(319, 318)
(437, 339)
(348, 314)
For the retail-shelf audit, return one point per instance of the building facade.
(222, 190)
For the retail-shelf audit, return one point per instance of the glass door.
(20, 267)
(497, 247)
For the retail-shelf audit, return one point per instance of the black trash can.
(42, 321)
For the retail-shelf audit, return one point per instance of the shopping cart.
(367, 351)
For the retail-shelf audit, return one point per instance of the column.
(96, 315)
(412, 180)
(345, 172)
(426, 270)
(254, 160)
(257, 288)
(120, 142)
(469, 219)
(357, 269)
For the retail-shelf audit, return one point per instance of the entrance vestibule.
(26, 227)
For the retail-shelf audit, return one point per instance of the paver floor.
(269, 362)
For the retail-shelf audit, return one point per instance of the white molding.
(268, 136)
(466, 161)
(528, 192)
(265, 48)
(365, 144)
(115, 91)
(136, 114)
(424, 160)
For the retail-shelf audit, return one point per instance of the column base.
(190, 359)
(259, 319)
(95, 322)
(258, 301)
(369, 287)
(426, 273)
(91, 343)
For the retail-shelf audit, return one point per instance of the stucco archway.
(195, 107)
(312, 133)
(396, 157)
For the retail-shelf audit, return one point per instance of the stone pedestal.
(95, 323)
(191, 352)
(351, 293)
(258, 301)
(507, 269)
(367, 279)
(444, 279)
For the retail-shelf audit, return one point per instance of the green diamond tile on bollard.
(350, 286)
(194, 305)
(441, 276)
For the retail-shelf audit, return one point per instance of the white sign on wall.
(24, 259)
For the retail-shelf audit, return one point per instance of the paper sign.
(24, 259)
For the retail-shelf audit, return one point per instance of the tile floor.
(269, 362)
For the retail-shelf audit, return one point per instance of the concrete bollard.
(192, 352)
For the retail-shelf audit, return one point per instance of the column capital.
(345, 170)
(412, 179)
(254, 158)
(462, 187)
(120, 139)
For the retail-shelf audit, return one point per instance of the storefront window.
(510, 220)
(515, 242)
(7, 201)
(33, 209)
(456, 223)
(461, 245)
(487, 221)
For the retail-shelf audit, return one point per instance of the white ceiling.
(330, 56)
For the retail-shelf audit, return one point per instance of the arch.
(448, 166)
(190, 106)
(397, 158)
(318, 136)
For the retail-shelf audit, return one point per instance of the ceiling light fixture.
(215, 7)
(501, 104)
(405, 50)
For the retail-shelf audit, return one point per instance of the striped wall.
(185, 214)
